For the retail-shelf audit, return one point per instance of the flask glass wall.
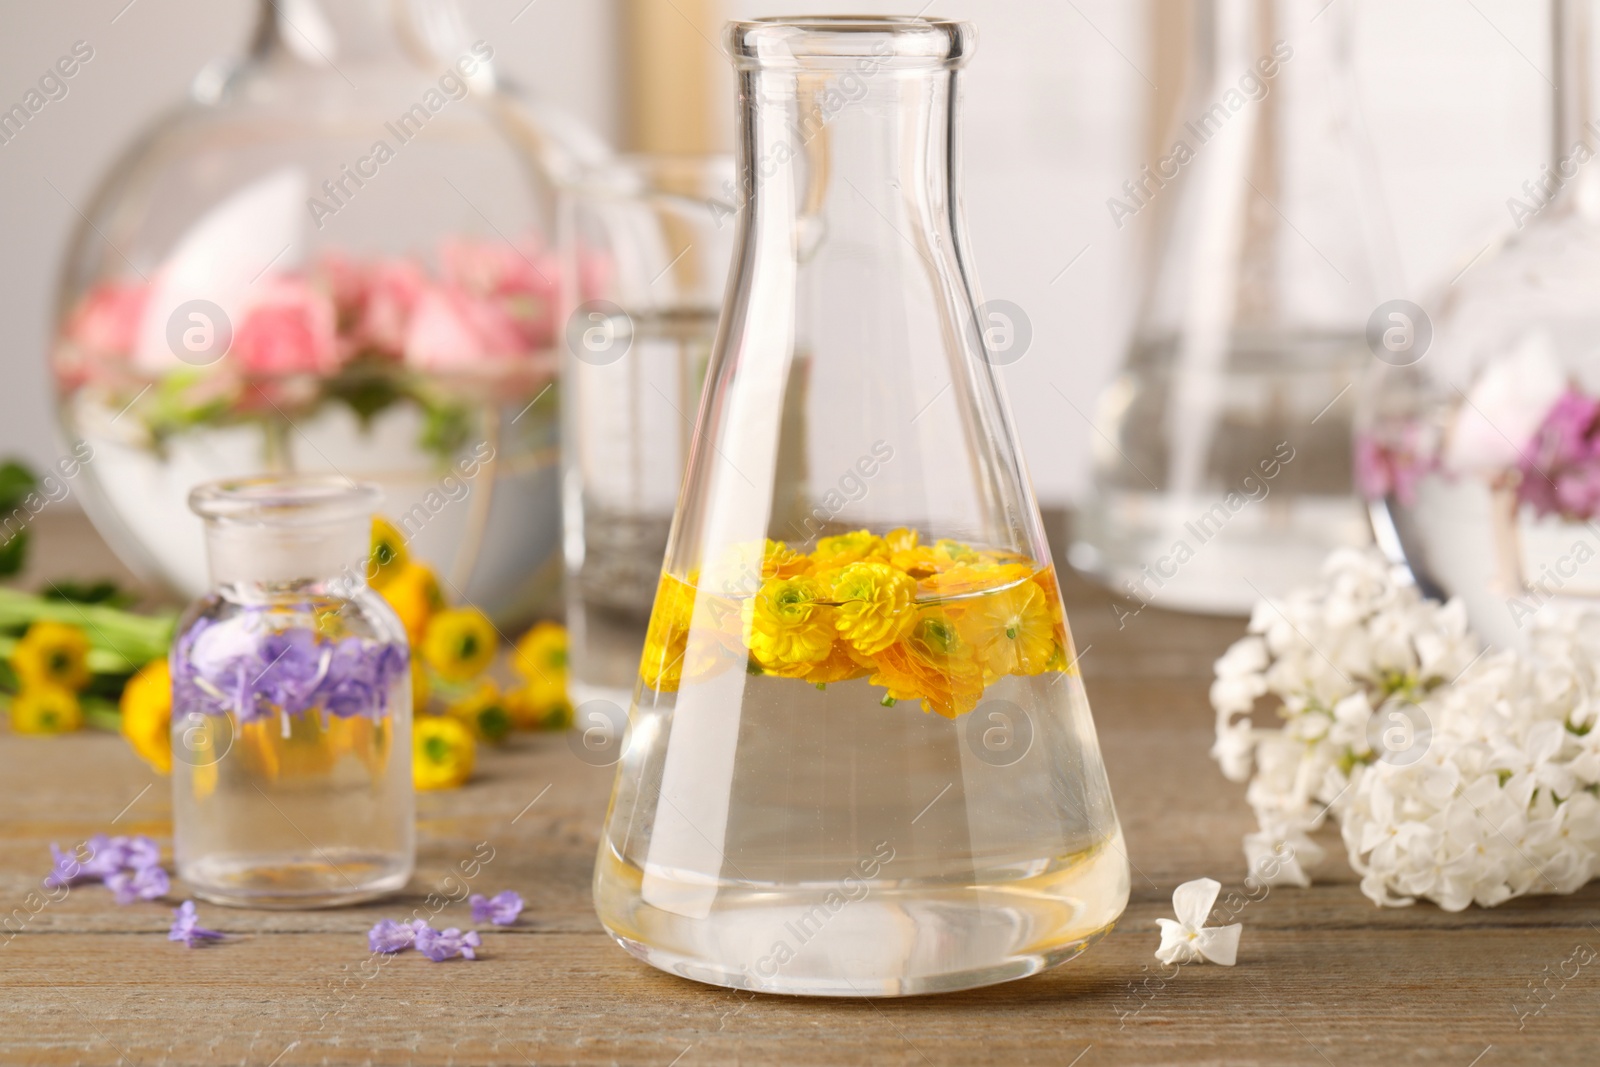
(860, 758)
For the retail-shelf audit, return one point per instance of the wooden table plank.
(1324, 976)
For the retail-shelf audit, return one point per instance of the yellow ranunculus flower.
(535, 712)
(902, 539)
(933, 664)
(459, 644)
(1011, 630)
(849, 548)
(964, 577)
(876, 605)
(661, 665)
(788, 626)
(414, 595)
(842, 665)
(147, 714)
(420, 689)
(389, 556)
(442, 752)
(541, 659)
(485, 712)
(45, 709)
(52, 653)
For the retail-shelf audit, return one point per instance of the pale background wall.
(1455, 98)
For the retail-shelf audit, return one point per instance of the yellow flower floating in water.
(147, 714)
(875, 603)
(52, 653)
(459, 644)
(442, 752)
(936, 623)
(1011, 630)
(42, 708)
(788, 625)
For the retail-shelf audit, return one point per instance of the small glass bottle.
(1222, 462)
(1480, 452)
(291, 712)
(860, 760)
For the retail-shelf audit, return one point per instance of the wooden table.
(1324, 977)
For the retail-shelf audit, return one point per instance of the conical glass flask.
(1481, 451)
(861, 761)
(1222, 470)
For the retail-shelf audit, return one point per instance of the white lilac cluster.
(1455, 775)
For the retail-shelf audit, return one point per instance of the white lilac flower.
(1497, 794)
(1189, 940)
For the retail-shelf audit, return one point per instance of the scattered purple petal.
(501, 909)
(390, 936)
(144, 883)
(441, 945)
(139, 852)
(186, 927)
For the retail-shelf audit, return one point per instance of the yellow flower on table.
(876, 605)
(415, 597)
(1012, 630)
(147, 714)
(389, 557)
(459, 644)
(52, 653)
(442, 752)
(485, 711)
(847, 548)
(45, 709)
(788, 625)
(541, 659)
(537, 711)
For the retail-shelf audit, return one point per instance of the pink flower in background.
(454, 331)
(520, 280)
(290, 328)
(1560, 466)
(393, 289)
(106, 323)
(1392, 464)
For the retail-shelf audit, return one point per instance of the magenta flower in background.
(1560, 467)
(390, 936)
(441, 945)
(501, 909)
(1392, 463)
(186, 927)
(144, 883)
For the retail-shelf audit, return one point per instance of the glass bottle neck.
(1575, 113)
(261, 562)
(357, 32)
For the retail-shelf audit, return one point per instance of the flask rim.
(810, 42)
(285, 500)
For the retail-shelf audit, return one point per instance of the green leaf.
(16, 482)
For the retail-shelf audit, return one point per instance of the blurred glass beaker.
(650, 239)
(1222, 467)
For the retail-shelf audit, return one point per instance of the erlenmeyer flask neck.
(847, 107)
(1575, 111)
(336, 33)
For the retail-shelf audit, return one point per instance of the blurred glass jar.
(291, 709)
(651, 241)
(1222, 466)
(1480, 451)
(336, 255)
